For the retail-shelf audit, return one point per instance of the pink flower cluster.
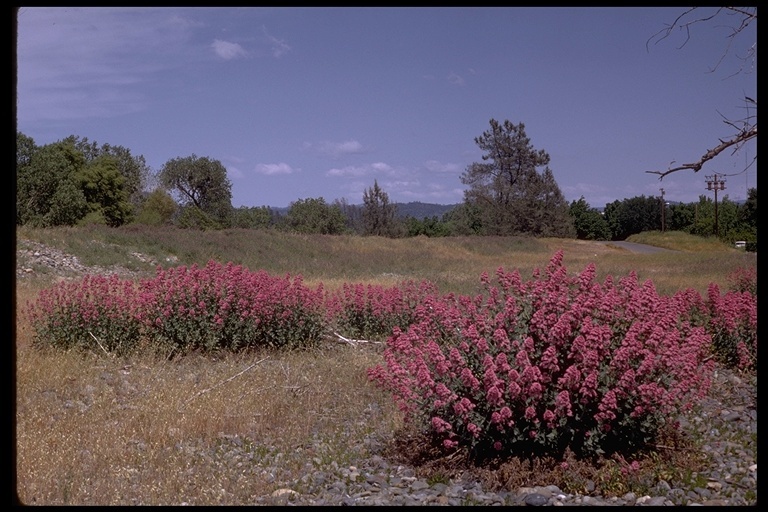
(372, 311)
(549, 363)
(229, 306)
(744, 280)
(214, 307)
(732, 322)
(95, 310)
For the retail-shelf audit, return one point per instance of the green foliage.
(133, 169)
(508, 192)
(25, 148)
(47, 177)
(588, 222)
(252, 217)
(353, 215)
(103, 187)
(157, 209)
(464, 220)
(429, 226)
(201, 182)
(47, 193)
(704, 217)
(67, 206)
(192, 217)
(739, 222)
(680, 217)
(547, 209)
(314, 215)
(748, 212)
(379, 215)
(632, 216)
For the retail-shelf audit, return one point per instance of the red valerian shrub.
(732, 323)
(96, 312)
(230, 307)
(372, 311)
(549, 364)
(744, 279)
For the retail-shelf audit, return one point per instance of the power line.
(714, 183)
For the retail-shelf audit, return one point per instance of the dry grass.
(96, 430)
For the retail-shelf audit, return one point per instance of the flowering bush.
(744, 280)
(228, 306)
(95, 311)
(371, 311)
(732, 322)
(548, 364)
(214, 307)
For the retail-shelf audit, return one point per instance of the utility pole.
(715, 183)
(663, 209)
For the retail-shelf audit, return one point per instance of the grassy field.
(97, 430)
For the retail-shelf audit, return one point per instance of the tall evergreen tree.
(379, 215)
(508, 191)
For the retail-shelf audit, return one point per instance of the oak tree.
(202, 183)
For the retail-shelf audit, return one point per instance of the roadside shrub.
(373, 311)
(94, 313)
(744, 279)
(551, 364)
(229, 307)
(732, 323)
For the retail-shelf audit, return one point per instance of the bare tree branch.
(739, 140)
(745, 129)
(680, 23)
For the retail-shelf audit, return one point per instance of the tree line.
(512, 191)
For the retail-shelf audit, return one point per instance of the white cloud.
(234, 172)
(438, 167)
(227, 50)
(375, 169)
(279, 47)
(270, 169)
(382, 167)
(347, 147)
(335, 149)
(455, 79)
(349, 170)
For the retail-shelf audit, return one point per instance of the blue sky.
(302, 103)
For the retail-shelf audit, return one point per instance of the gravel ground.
(726, 421)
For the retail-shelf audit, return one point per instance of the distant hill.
(415, 209)
(421, 211)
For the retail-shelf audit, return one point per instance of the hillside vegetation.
(454, 264)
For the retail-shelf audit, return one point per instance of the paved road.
(637, 248)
